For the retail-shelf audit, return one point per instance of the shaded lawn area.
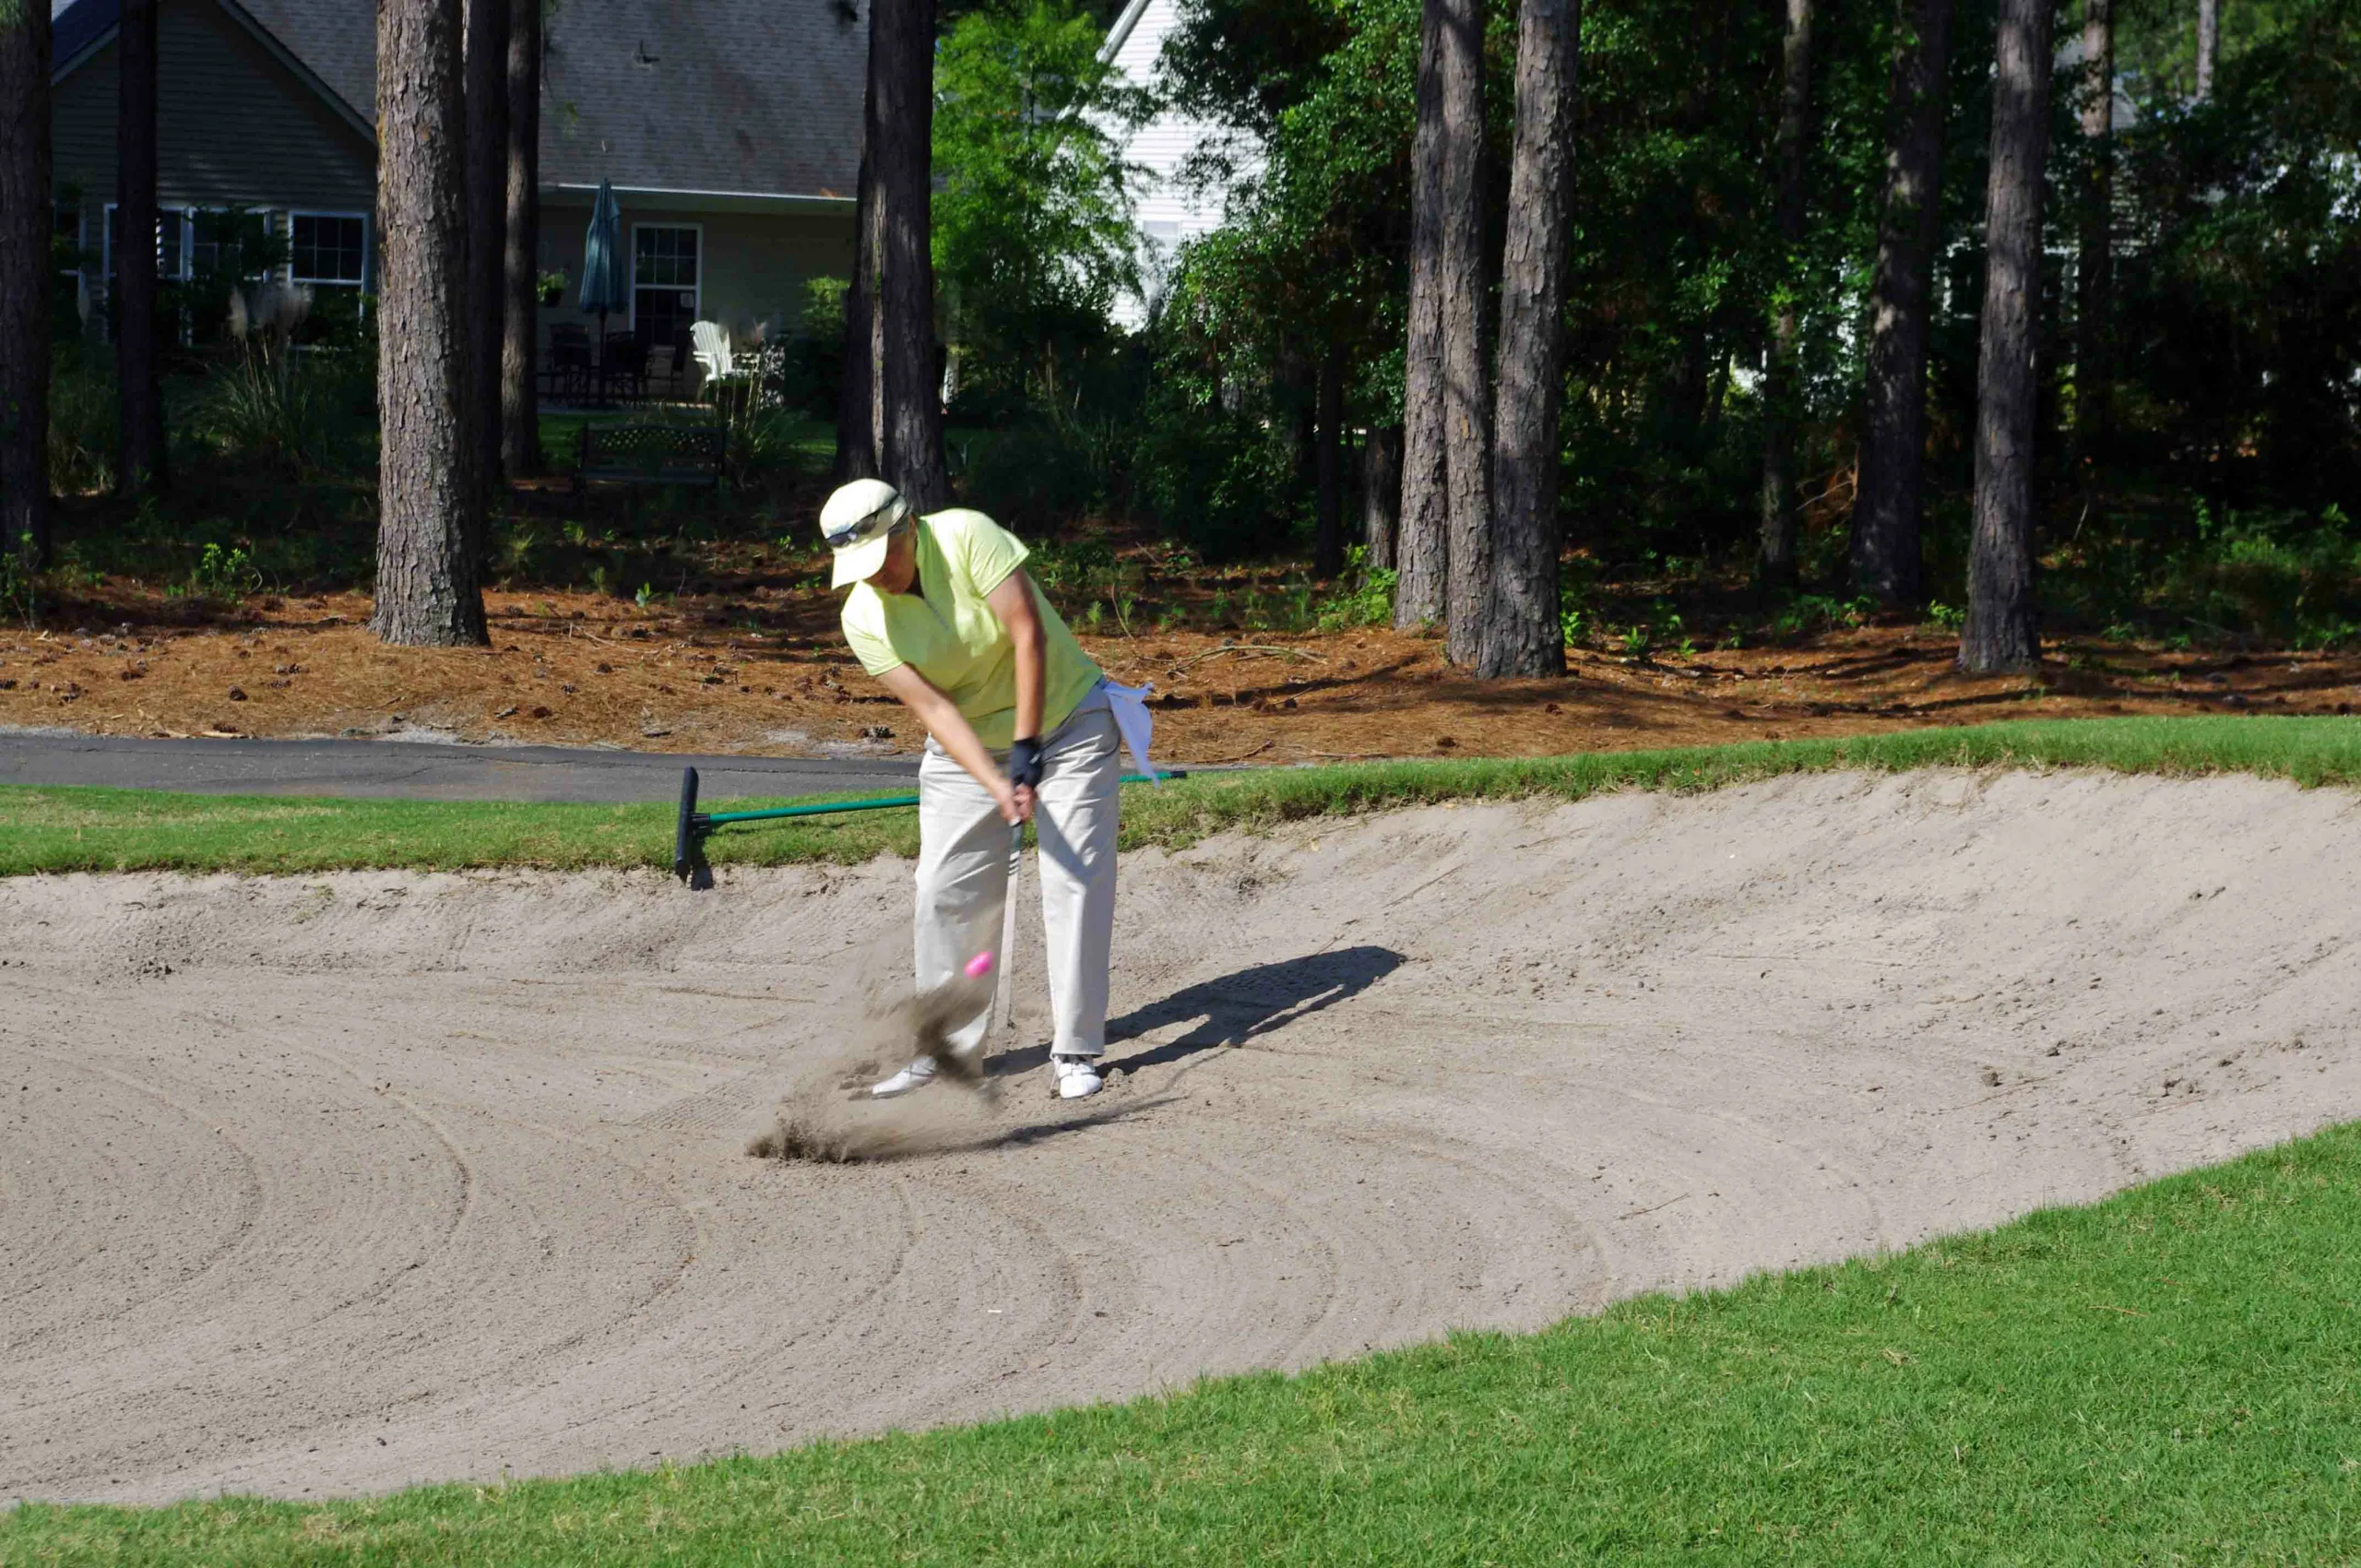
(2173, 1375)
(46, 830)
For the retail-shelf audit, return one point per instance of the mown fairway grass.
(69, 829)
(2171, 1376)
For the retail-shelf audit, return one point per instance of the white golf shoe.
(915, 1076)
(1077, 1077)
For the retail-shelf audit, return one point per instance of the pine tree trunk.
(1467, 378)
(2095, 263)
(1295, 397)
(141, 452)
(901, 74)
(1445, 202)
(25, 279)
(1520, 632)
(1328, 470)
(2001, 633)
(487, 100)
(520, 408)
(1381, 495)
(859, 416)
(2209, 45)
(429, 592)
(1777, 566)
(1889, 505)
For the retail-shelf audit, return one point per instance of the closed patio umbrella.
(603, 283)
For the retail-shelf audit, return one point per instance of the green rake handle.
(694, 824)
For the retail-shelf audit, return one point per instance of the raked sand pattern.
(330, 1184)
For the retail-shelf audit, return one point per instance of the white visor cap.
(855, 522)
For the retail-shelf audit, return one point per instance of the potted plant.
(552, 286)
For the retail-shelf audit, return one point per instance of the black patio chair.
(569, 362)
(626, 364)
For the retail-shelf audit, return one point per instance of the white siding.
(1169, 213)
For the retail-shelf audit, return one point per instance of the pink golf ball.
(980, 966)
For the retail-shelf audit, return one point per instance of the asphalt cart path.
(423, 770)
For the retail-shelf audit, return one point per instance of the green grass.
(2170, 1376)
(46, 830)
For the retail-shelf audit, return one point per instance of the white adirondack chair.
(709, 345)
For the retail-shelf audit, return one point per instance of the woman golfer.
(1021, 726)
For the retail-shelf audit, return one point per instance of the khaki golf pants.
(963, 875)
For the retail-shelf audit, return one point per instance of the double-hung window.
(171, 254)
(65, 244)
(225, 239)
(172, 244)
(328, 250)
(665, 267)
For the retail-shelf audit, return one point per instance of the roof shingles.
(754, 97)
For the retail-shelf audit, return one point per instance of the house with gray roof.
(729, 128)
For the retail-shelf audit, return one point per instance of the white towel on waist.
(1133, 722)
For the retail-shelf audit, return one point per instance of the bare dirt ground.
(327, 1185)
(766, 673)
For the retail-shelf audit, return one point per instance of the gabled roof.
(80, 27)
(742, 97)
(74, 31)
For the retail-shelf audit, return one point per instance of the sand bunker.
(331, 1184)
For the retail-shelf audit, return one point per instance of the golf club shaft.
(1003, 988)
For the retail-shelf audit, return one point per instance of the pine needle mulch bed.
(44, 829)
(763, 671)
(2173, 1375)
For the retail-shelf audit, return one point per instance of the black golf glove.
(1025, 763)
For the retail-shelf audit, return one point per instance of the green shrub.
(1221, 481)
(285, 411)
(81, 424)
(1039, 475)
(2276, 575)
(1368, 601)
(20, 590)
(767, 438)
(227, 575)
(812, 360)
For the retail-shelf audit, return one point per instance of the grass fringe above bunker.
(2170, 1375)
(59, 829)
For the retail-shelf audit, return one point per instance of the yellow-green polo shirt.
(950, 635)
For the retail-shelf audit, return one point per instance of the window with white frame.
(172, 244)
(665, 261)
(227, 238)
(328, 249)
(65, 244)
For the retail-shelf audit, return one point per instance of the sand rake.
(691, 825)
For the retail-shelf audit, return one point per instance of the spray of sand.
(829, 1114)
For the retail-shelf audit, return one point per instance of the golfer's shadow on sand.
(1234, 1009)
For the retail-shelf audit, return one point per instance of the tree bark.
(1467, 382)
(520, 338)
(429, 590)
(901, 75)
(1520, 632)
(2001, 633)
(2209, 45)
(25, 279)
(1889, 507)
(1328, 470)
(1777, 564)
(2095, 263)
(1446, 286)
(487, 101)
(859, 414)
(140, 450)
(1381, 495)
